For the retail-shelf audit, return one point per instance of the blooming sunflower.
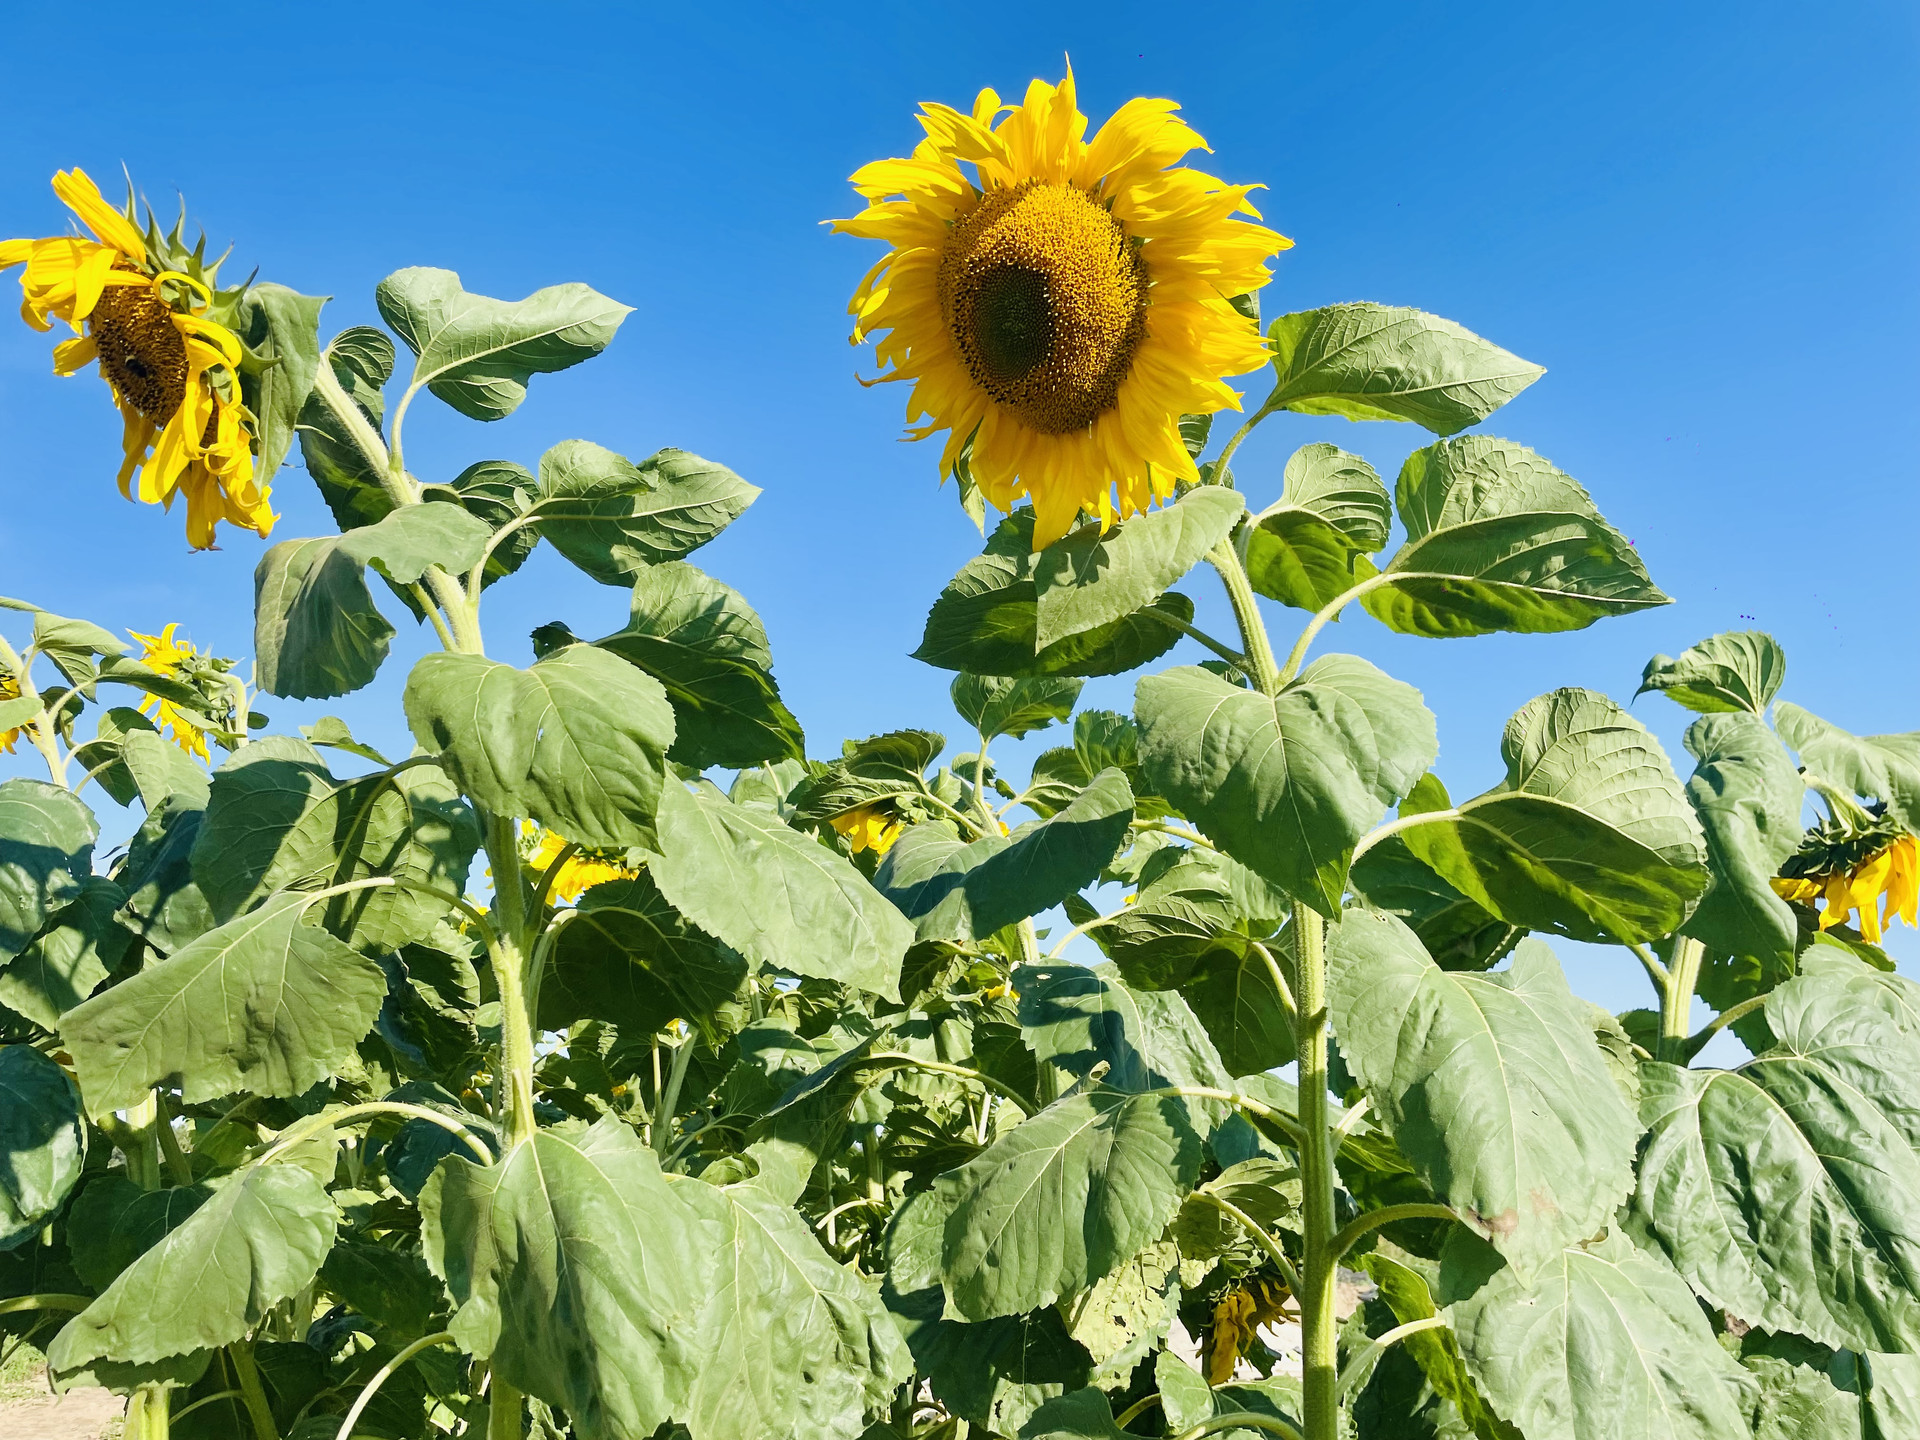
(9, 690)
(869, 827)
(177, 659)
(1059, 303)
(581, 871)
(1850, 867)
(173, 372)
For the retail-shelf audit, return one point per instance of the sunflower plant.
(608, 1067)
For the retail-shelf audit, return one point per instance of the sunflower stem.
(40, 729)
(1220, 474)
(1676, 998)
(1246, 611)
(1319, 1331)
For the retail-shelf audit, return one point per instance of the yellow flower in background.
(9, 690)
(168, 656)
(582, 870)
(870, 827)
(1882, 886)
(173, 372)
(1060, 304)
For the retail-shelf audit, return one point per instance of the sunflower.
(1237, 1318)
(1851, 866)
(173, 372)
(178, 660)
(581, 870)
(9, 690)
(1059, 303)
(869, 827)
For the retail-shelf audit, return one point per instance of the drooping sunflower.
(1059, 303)
(1237, 1317)
(869, 827)
(176, 659)
(581, 870)
(1867, 864)
(173, 372)
(9, 690)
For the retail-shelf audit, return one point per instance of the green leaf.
(1093, 578)
(160, 769)
(877, 768)
(46, 851)
(1076, 1018)
(1602, 1337)
(257, 1241)
(164, 907)
(1386, 362)
(578, 741)
(498, 492)
(1893, 1396)
(1457, 932)
(279, 820)
(361, 359)
(1126, 1316)
(630, 957)
(1882, 767)
(1311, 546)
(476, 353)
(331, 732)
(43, 1142)
(1492, 1085)
(101, 756)
(791, 1342)
(1063, 1200)
(264, 1003)
(316, 633)
(987, 621)
(778, 897)
(704, 643)
(579, 1272)
(613, 518)
(956, 891)
(1738, 670)
(280, 330)
(1748, 795)
(1437, 1354)
(1286, 784)
(1500, 539)
(391, 1286)
(414, 538)
(1590, 837)
(1788, 1191)
(996, 705)
(80, 946)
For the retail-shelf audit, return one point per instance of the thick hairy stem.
(140, 1144)
(252, 1392)
(669, 1100)
(503, 1412)
(1319, 1358)
(510, 974)
(1246, 611)
(1676, 998)
(149, 1413)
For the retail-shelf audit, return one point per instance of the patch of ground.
(29, 1411)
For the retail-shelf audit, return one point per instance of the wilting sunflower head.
(179, 660)
(1059, 303)
(174, 372)
(1852, 864)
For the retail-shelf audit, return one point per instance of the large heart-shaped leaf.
(46, 851)
(987, 620)
(1884, 767)
(1491, 1084)
(1590, 837)
(79, 947)
(361, 359)
(1738, 670)
(1605, 1340)
(1499, 539)
(997, 705)
(1076, 1018)
(791, 1342)
(316, 633)
(956, 891)
(775, 895)
(1387, 362)
(1459, 933)
(279, 330)
(1288, 783)
(1748, 795)
(579, 1273)
(1788, 1191)
(578, 741)
(43, 1142)
(414, 538)
(257, 1241)
(264, 1003)
(279, 820)
(1064, 1199)
(613, 518)
(1311, 545)
(1094, 578)
(477, 353)
(704, 643)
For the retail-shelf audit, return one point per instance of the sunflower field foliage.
(611, 1066)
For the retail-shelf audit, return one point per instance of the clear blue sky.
(1700, 217)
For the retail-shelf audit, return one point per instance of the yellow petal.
(76, 188)
(71, 355)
